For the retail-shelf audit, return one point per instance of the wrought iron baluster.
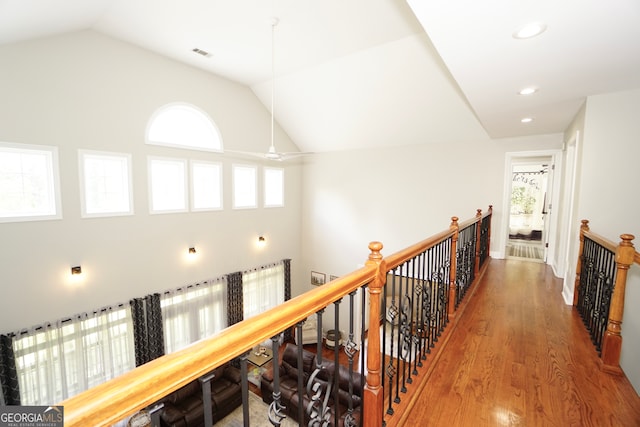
(364, 320)
(391, 370)
(597, 280)
(300, 390)
(410, 339)
(350, 349)
(245, 389)
(404, 342)
(318, 407)
(420, 332)
(336, 360)
(276, 408)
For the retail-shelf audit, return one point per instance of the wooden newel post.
(576, 287)
(454, 266)
(373, 391)
(612, 342)
(476, 267)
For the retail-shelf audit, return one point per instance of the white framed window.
(193, 313)
(245, 186)
(105, 184)
(273, 187)
(57, 361)
(263, 289)
(167, 185)
(206, 186)
(29, 183)
(183, 125)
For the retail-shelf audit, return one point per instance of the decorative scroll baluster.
(405, 327)
(601, 275)
(410, 329)
(597, 280)
(453, 275)
(301, 389)
(276, 409)
(465, 260)
(420, 323)
(391, 369)
(318, 408)
(350, 349)
(485, 237)
(336, 360)
(427, 298)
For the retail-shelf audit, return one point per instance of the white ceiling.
(352, 74)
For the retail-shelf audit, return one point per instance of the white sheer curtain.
(56, 361)
(263, 289)
(193, 312)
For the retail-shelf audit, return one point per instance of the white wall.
(399, 196)
(609, 195)
(87, 91)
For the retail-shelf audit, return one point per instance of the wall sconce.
(262, 241)
(192, 251)
(76, 270)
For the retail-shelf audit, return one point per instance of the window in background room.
(273, 187)
(193, 312)
(184, 126)
(167, 185)
(206, 186)
(262, 289)
(105, 184)
(244, 186)
(29, 183)
(57, 361)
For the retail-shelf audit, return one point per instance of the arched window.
(184, 126)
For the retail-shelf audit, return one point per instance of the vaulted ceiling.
(353, 74)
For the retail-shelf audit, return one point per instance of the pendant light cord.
(273, 78)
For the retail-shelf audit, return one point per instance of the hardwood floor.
(520, 357)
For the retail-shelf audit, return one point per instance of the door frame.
(555, 164)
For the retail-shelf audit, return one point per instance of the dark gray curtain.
(148, 332)
(288, 334)
(235, 312)
(10, 390)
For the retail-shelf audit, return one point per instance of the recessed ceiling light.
(526, 119)
(528, 91)
(529, 30)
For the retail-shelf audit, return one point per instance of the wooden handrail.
(602, 241)
(120, 397)
(625, 255)
(393, 261)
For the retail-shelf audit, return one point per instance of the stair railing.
(141, 388)
(599, 291)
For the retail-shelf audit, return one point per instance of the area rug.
(258, 415)
(530, 251)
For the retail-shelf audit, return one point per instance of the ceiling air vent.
(201, 52)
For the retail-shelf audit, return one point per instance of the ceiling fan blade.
(270, 155)
(294, 154)
(247, 153)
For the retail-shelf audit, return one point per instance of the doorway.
(528, 210)
(532, 161)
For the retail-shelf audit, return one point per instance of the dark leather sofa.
(288, 370)
(184, 407)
